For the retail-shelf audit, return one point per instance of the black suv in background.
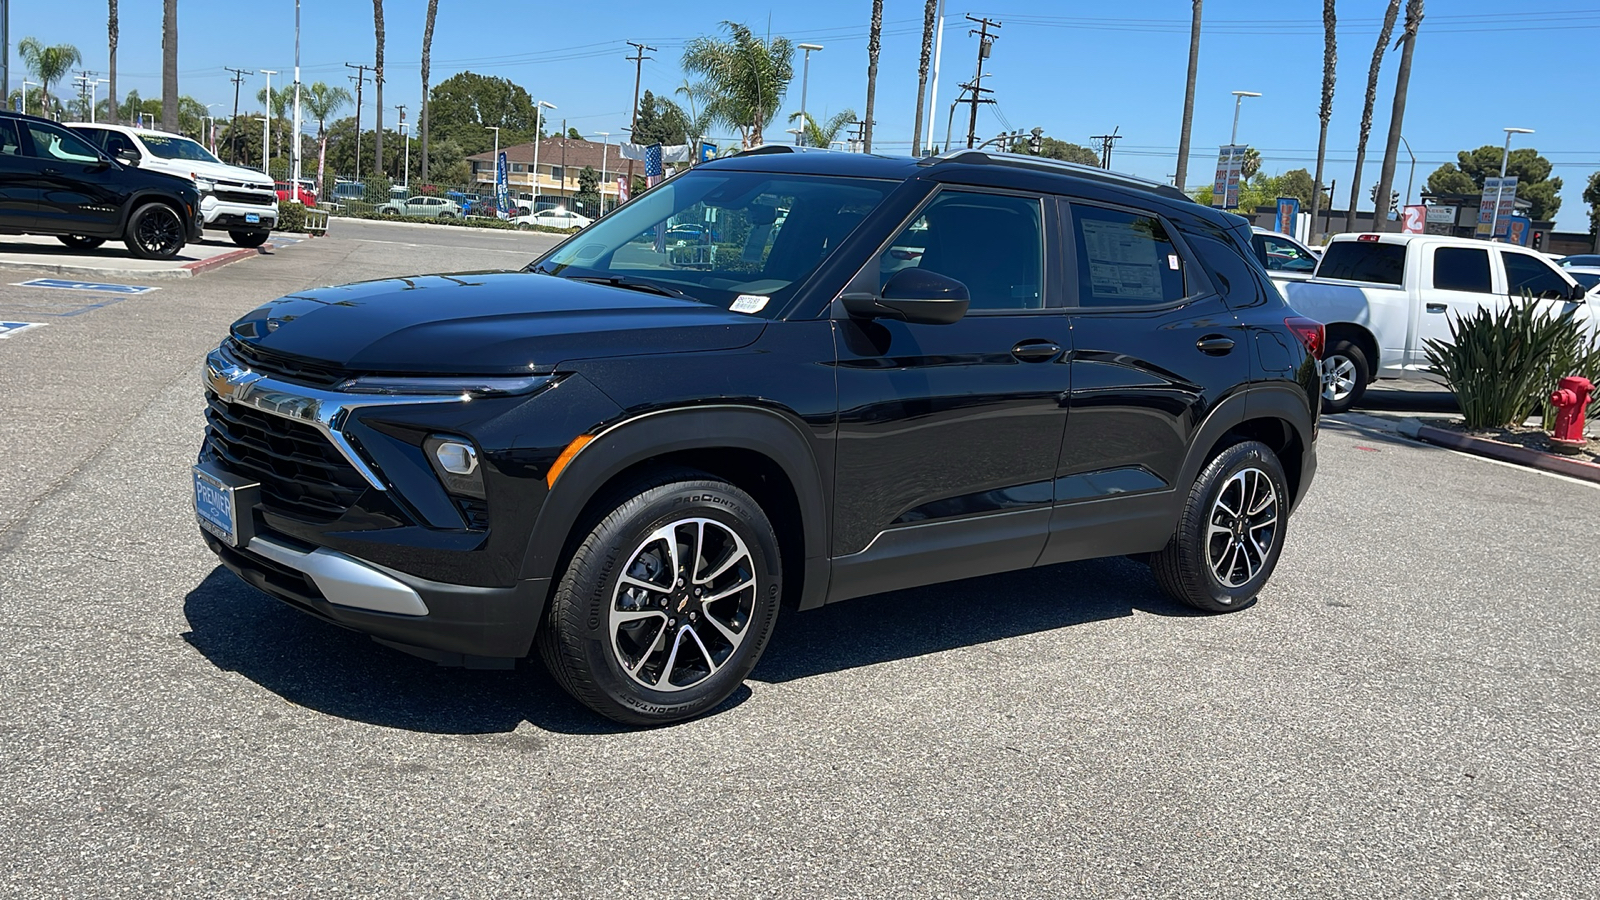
(852, 374)
(54, 182)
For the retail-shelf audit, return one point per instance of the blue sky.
(1076, 69)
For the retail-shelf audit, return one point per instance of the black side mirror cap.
(128, 155)
(916, 296)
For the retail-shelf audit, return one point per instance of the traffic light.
(1394, 197)
(1538, 240)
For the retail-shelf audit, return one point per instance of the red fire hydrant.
(1570, 399)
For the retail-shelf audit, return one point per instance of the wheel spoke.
(732, 637)
(711, 664)
(640, 583)
(626, 616)
(665, 678)
(697, 551)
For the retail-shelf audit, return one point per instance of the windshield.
(170, 147)
(739, 240)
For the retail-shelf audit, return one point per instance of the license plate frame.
(224, 504)
(252, 218)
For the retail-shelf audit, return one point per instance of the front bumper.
(451, 624)
(226, 214)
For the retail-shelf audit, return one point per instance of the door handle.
(1037, 351)
(1436, 307)
(1214, 345)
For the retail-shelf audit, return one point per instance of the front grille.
(301, 473)
(287, 368)
(247, 197)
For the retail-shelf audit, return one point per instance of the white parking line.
(435, 246)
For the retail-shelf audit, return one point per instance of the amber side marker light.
(560, 465)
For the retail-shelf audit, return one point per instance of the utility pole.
(563, 163)
(985, 42)
(638, 74)
(405, 136)
(5, 53)
(360, 78)
(1106, 143)
(233, 124)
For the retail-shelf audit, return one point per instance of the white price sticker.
(749, 303)
(1172, 261)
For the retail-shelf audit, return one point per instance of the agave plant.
(1503, 363)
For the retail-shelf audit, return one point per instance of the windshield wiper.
(634, 284)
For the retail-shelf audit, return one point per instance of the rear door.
(19, 181)
(78, 192)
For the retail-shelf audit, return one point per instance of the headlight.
(203, 184)
(466, 386)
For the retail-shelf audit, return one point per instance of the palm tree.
(743, 78)
(427, 59)
(111, 46)
(48, 64)
(1251, 164)
(696, 121)
(1366, 111)
(874, 44)
(1188, 99)
(1330, 57)
(377, 81)
(322, 102)
(824, 135)
(169, 65)
(1402, 83)
(929, 13)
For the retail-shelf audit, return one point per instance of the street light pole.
(805, 78)
(211, 129)
(1238, 99)
(1500, 186)
(1413, 174)
(25, 84)
(533, 175)
(294, 147)
(266, 132)
(405, 135)
(604, 177)
(266, 125)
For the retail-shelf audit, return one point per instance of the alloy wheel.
(1243, 525)
(683, 604)
(158, 232)
(1338, 378)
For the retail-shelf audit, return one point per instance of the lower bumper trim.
(344, 580)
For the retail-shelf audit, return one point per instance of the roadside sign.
(1414, 221)
(622, 190)
(1288, 209)
(7, 329)
(1225, 187)
(65, 284)
(1442, 215)
(1516, 229)
(1496, 190)
(502, 190)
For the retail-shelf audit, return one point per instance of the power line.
(1107, 141)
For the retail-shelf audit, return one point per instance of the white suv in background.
(242, 202)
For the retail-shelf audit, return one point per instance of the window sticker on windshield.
(1122, 261)
(749, 303)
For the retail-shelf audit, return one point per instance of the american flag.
(652, 177)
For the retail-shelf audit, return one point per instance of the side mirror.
(128, 155)
(1579, 293)
(917, 296)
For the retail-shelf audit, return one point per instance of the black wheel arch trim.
(1283, 402)
(139, 198)
(639, 438)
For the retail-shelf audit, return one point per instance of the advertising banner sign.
(1230, 165)
(1288, 209)
(1414, 220)
(502, 189)
(1443, 215)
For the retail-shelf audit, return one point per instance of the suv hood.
(485, 323)
(220, 171)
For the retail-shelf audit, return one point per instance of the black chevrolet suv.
(54, 182)
(784, 378)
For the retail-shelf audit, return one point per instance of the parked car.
(634, 465)
(1284, 258)
(346, 191)
(242, 202)
(1588, 276)
(434, 207)
(54, 182)
(1579, 260)
(555, 218)
(303, 194)
(1383, 296)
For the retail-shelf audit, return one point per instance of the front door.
(76, 185)
(949, 434)
(1156, 348)
(19, 181)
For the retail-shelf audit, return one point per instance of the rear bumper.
(448, 623)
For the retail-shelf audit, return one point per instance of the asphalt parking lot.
(1412, 710)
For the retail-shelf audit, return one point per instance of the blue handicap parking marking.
(69, 285)
(7, 329)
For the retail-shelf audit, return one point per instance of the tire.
(395, 213)
(1206, 564)
(1346, 372)
(248, 238)
(79, 242)
(154, 232)
(446, 216)
(612, 642)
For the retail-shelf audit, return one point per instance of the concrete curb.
(1522, 456)
(185, 270)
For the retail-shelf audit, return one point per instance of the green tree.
(1062, 150)
(824, 134)
(1532, 171)
(1251, 164)
(47, 64)
(743, 78)
(464, 105)
(1264, 190)
(1591, 196)
(1447, 179)
(573, 135)
(660, 122)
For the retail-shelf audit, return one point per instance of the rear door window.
(1280, 255)
(1462, 269)
(1370, 261)
(10, 142)
(1125, 259)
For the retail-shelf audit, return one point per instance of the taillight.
(1367, 237)
(1310, 332)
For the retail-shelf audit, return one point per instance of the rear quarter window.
(1370, 261)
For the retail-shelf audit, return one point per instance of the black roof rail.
(1042, 163)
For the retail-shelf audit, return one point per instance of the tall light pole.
(604, 150)
(1238, 98)
(405, 135)
(266, 131)
(1411, 177)
(800, 139)
(533, 175)
(1499, 188)
(294, 146)
(25, 84)
(933, 89)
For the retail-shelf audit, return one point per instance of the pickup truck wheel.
(667, 604)
(248, 238)
(1231, 533)
(154, 232)
(389, 212)
(1345, 376)
(79, 242)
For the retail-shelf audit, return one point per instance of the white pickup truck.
(1381, 296)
